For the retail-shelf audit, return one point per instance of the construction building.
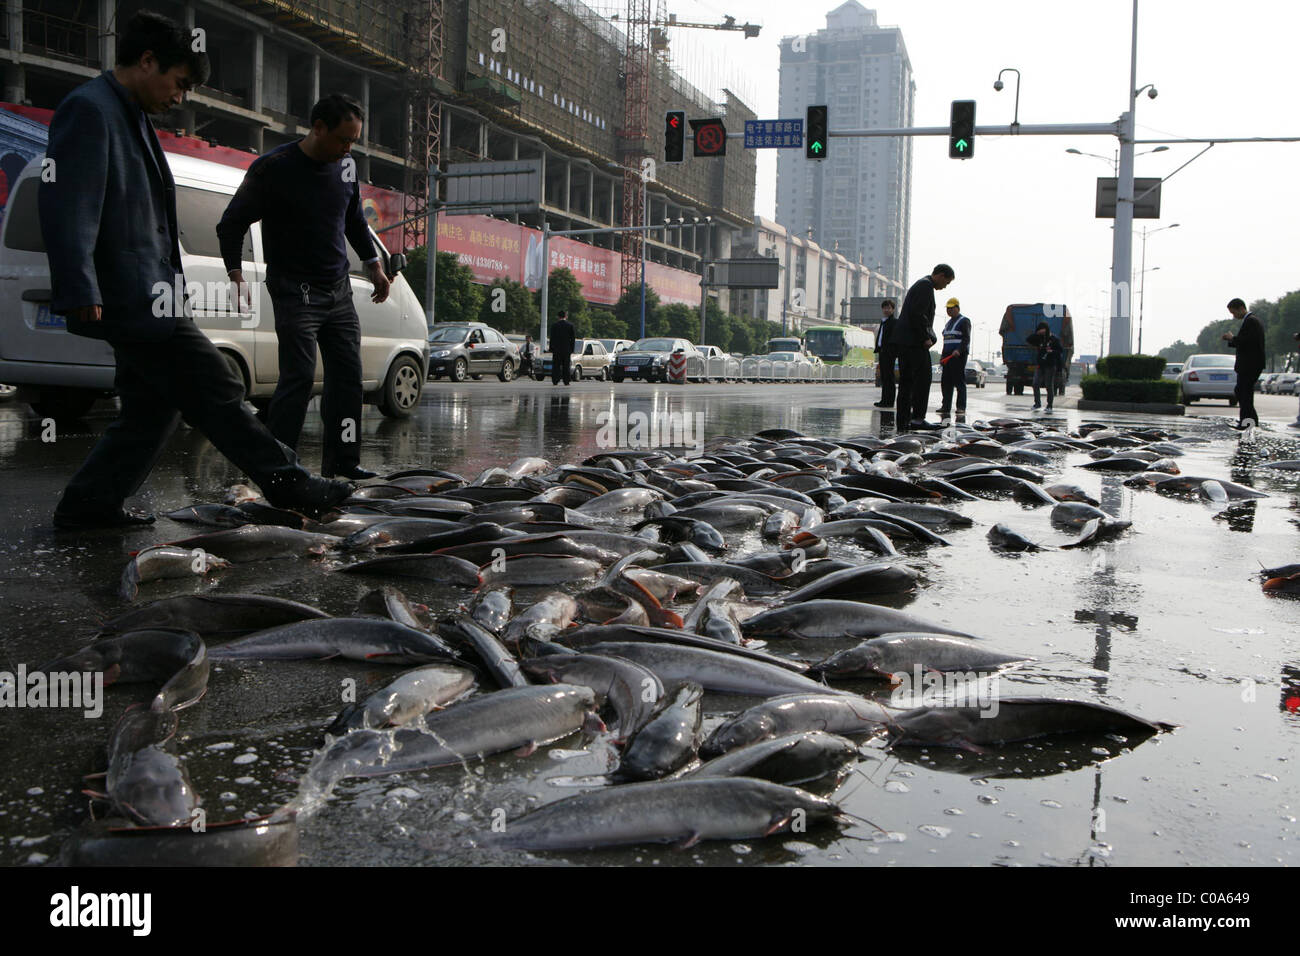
(446, 81)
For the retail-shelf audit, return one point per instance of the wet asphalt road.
(1167, 621)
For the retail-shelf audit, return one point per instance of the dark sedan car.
(648, 359)
(462, 350)
(975, 374)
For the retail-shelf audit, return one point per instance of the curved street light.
(998, 84)
(1142, 293)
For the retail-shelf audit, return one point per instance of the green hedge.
(1099, 388)
(1131, 367)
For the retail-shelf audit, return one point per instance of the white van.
(61, 375)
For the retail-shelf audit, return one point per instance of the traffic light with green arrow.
(961, 133)
(815, 133)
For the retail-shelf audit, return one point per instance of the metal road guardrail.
(757, 369)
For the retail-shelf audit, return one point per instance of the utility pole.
(1121, 296)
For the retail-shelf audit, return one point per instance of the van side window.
(23, 217)
(197, 213)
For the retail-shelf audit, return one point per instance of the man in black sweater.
(307, 196)
(1249, 343)
(913, 336)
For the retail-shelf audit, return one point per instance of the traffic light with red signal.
(674, 136)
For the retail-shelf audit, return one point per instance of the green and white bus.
(840, 344)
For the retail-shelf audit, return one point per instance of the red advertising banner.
(673, 285)
(597, 269)
(489, 247)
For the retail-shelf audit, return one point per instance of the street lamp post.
(1142, 294)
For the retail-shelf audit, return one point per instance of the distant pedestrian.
(886, 353)
(1249, 343)
(1296, 423)
(914, 335)
(562, 341)
(1050, 360)
(526, 359)
(956, 349)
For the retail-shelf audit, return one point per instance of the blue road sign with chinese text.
(774, 134)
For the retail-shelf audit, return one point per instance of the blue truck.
(1020, 358)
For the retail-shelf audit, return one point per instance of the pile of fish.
(618, 599)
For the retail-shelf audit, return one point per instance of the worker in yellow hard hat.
(956, 349)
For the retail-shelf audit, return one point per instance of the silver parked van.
(61, 374)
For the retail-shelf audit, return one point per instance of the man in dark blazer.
(913, 337)
(562, 340)
(1249, 343)
(886, 353)
(108, 217)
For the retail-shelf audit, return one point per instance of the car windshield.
(781, 356)
(1211, 361)
(655, 345)
(451, 333)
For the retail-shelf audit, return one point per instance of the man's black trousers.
(913, 384)
(329, 319)
(158, 383)
(888, 355)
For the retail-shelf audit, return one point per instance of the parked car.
(62, 375)
(1261, 383)
(462, 350)
(975, 374)
(648, 359)
(1286, 383)
(1208, 376)
(1172, 370)
(589, 360)
(614, 346)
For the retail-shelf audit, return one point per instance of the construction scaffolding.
(424, 145)
(368, 32)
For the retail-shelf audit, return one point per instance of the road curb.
(1153, 408)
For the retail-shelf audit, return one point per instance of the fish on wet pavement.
(163, 563)
(352, 638)
(412, 695)
(683, 812)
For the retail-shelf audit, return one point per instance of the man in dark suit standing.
(308, 198)
(1249, 343)
(562, 340)
(886, 353)
(914, 336)
(108, 217)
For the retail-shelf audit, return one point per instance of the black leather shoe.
(882, 405)
(352, 473)
(90, 520)
(308, 494)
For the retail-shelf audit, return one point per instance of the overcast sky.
(1016, 222)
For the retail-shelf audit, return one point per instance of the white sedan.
(1208, 376)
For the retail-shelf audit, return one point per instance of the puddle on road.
(1167, 620)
